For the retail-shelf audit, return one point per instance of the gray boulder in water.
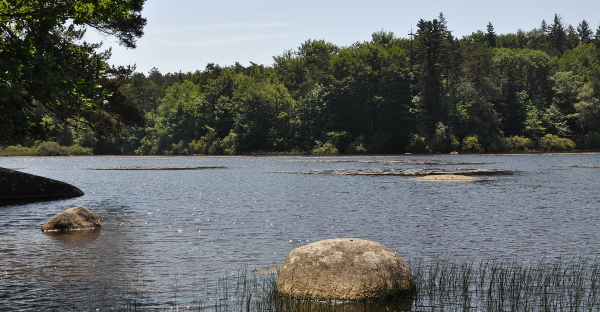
(76, 218)
(344, 269)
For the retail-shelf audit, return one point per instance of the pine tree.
(435, 59)
(544, 27)
(585, 32)
(557, 37)
(491, 35)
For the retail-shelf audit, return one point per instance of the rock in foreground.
(19, 187)
(72, 219)
(344, 269)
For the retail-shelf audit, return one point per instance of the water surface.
(172, 232)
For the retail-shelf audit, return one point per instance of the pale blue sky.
(188, 34)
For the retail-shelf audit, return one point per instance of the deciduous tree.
(371, 94)
(46, 67)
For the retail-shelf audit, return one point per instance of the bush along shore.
(55, 149)
(46, 149)
(441, 285)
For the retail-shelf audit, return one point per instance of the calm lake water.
(173, 232)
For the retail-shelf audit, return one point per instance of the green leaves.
(48, 70)
(370, 95)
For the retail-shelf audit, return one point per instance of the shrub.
(198, 146)
(228, 145)
(471, 144)
(208, 144)
(17, 150)
(216, 148)
(443, 140)
(325, 149)
(203, 145)
(357, 147)
(179, 148)
(77, 150)
(50, 149)
(519, 143)
(340, 140)
(551, 142)
(495, 143)
(416, 144)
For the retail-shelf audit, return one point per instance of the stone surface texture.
(343, 269)
(72, 219)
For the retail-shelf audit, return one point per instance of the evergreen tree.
(557, 37)
(573, 39)
(490, 35)
(434, 51)
(585, 32)
(544, 27)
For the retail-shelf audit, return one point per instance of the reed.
(440, 285)
(494, 285)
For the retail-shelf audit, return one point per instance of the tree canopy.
(47, 69)
(432, 92)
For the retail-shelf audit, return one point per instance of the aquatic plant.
(441, 285)
(495, 285)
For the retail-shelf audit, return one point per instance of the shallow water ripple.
(185, 229)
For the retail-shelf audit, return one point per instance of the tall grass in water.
(495, 285)
(442, 285)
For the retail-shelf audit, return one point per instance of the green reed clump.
(495, 285)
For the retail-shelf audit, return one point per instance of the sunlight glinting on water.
(192, 227)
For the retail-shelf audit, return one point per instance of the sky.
(186, 35)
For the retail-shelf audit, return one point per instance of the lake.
(170, 233)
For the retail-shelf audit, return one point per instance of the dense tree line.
(430, 92)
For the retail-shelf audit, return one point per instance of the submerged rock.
(75, 237)
(409, 172)
(76, 218)
(159, 168)
(447, 178)
(19, 187)
(406, 161)
(345, 269)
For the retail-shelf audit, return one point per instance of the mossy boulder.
(19, 187)
(72, 219)
(346, 269)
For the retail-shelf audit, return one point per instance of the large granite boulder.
(19, 187)
(76, 218)
(344, 269)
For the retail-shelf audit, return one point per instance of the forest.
(429, 92)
